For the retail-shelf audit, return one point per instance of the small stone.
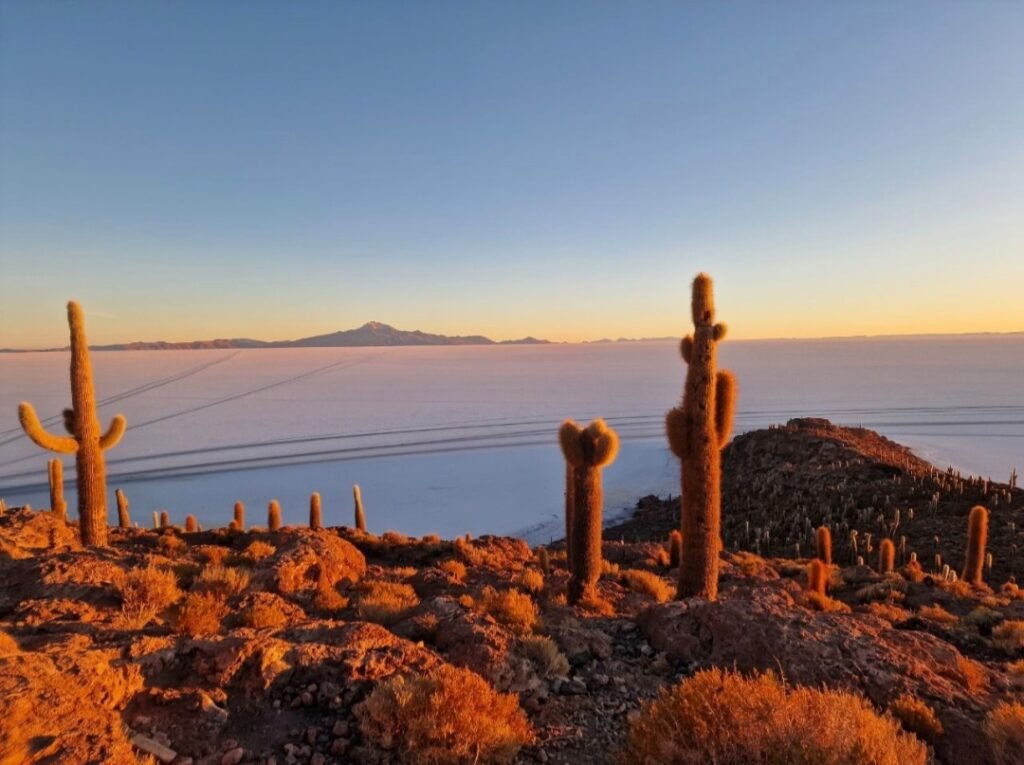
(317, 759)
(542, 755)
(233, 757)
(339, 745)
(311, 735)
(340, 728)
(573, 687)
(307, 699)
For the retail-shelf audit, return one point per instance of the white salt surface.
(456, 439)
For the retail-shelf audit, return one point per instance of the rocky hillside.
(779, 484)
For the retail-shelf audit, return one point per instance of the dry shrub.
(450, 717)
(403, 572)
(819, 602)
(545, 655)
(1004, 728)
(596, 605)
(170, 545)
(1009, 636)
(887, 611)
(263, 614)
(983, 618)
(212, 555)
(530, 580)
(146, 592)
(937, 614)
(609, 568)
(431, 539)
(1016, 667)
(454, 569)
(200, 614)
(729, 719)
(225, 582)
(386, 602)
(467, 602)
(1012, 590)
(327, 598)
(8, 645)
(917, 717)
(646, 583)
(971, 673)
(512, 608)
(396, 538)
(257, 551)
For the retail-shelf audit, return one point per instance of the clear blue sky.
(278, 169)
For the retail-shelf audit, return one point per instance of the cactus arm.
(686, 348)
(569, 440)
(676, 427)
(114, 432)
(43, 438)
(725, 405)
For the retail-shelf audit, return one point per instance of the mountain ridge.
(370, 334)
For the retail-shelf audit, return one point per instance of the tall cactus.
(274, 515)
(315, 518)
(85, 442)
(823, 543)
(58, 506)
(570, 503)
(239, 517)
(357, 497)
(977, 538)
(697, 431)
(587, 450)
(123, 519)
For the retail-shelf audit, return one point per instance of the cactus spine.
(86, 441)
(588, 450)
(357, 496)
(274, 515)
(239, 519)
(315, 520)
(58, 506)
(697, 432)
(977, 538)
(675, 548)
(123, 519)
(886, 556)
(823, 541)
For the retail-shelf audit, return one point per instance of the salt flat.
(455, 439)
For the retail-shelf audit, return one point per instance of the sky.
(192, 170)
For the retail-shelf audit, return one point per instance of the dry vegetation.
(145, 593)
(385, 602)
(916, 717)
(1004, 728)
(450, 717)
(512, 608)
(647, 583)
(729, 719)
(200, 614)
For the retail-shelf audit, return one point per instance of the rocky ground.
(265, 644)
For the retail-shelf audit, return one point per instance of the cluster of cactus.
(586, 450)
(85, 440)
(697, 431)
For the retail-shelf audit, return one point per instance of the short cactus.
(165, 519)
(360, 519)
(85, 442)
(817, 576)
(58, 506)
(315, 519)
(588, 450)
(675, 548)
(274, 515)
(886, 556)
(156, 519)
(544, 560)
(239, 516)
(823, 542)
(697, 432)
(191, 524)
(123, 519)
(977, 538)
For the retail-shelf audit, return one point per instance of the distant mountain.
(371, 334)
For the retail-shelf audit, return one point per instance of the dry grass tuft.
(887, 611)
(819, 602)
(454, 569)
(596, 605)
(386, 602)
(971, 673)
(396, 538)
(916, 717)
(171, 546)
(8, 645)
(402, 572)
(512, 608)
(1004, 728)
(146, 592)
(264, 614)
(545, 655)
(200, 614)
(327, 598)
(937, 614)
(257, 551)
(225, 582)
(729, 719)
(1009, 636)
(530, 580)
(646, 583)
(450, 717)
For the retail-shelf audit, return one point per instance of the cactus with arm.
(697, 432)
(85, 441)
